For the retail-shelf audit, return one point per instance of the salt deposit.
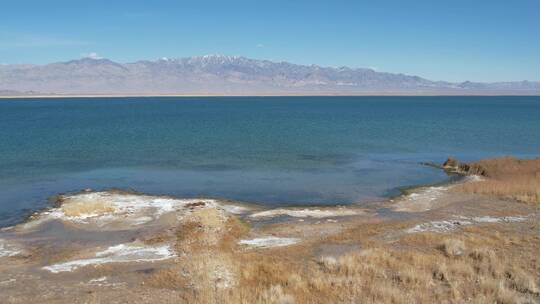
(302, 213)
(7, 249)
(102, 208)
(269, 241)
(459, 221)
(422, 200)
(117, 254)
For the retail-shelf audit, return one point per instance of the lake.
(265, 150)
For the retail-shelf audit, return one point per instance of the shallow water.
(269, 150)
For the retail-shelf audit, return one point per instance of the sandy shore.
(120, 247)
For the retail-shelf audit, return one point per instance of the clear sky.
(441, 40)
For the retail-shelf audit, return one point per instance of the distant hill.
(17, 93)
(227, 75)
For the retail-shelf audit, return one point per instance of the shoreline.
(53, 201)
(118, 246)
(373, 206)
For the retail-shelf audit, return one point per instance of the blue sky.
(441, 40)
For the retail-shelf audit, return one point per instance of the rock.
(451, 163)
(454, 166)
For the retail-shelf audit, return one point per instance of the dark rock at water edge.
(455, 166)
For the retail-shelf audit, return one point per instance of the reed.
(508, 177)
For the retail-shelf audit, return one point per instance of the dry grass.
(521, 189)
(419, 269)
(480, 265)
(208, 268)
(509, 178)
(169, 278)
(453, 247)
(504, 167)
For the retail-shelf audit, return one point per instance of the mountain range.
(227, 75)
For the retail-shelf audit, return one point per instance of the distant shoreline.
(535, 94)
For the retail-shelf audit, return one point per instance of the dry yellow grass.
(510, 178)
(521, 188)
(478, 265)
(453, 247)
(504, 167)
(208, 269)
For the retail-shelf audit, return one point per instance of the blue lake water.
(267, 150)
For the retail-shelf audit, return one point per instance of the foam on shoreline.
(303, 213)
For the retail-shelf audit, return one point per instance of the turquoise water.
(268, 150)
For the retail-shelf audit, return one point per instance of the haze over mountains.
(226, 75)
